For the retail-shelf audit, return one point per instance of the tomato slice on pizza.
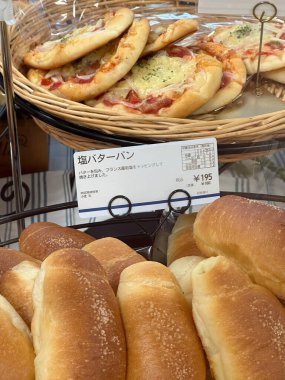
(56, 53)
(162, 36)
(244, 39)
(173, 83)
(98, 71)
(233, 79)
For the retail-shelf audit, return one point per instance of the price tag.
(240, 7)
(6, 12)
(142, 178)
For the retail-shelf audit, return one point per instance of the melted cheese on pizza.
(246, 35)
(86, 65)
(155, 73)
(84, 32)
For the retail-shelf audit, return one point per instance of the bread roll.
(16, 285)
(114, 256)
(241, 324)
(181, 242)
(252, 233)
(162, 342)
(77, 328)
(10, 257)
(182, 270)
(16, 348)
(40, 239)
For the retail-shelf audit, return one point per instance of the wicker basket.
(34, 26)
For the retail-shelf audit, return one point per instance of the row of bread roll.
(77, 329)
(78, 332)
(68, 293)
(40, 239)
(147, 290)
(241, 324)
(18, 270)
(76, 324)
(249, 232)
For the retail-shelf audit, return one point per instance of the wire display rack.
(145, 225)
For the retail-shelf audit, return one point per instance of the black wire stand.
(140, 221)
(83, 131)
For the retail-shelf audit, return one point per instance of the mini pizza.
(244, 39)
(161, 36)
(233, 79)
(81, 41)
(95, 73)
(277, 75)
(173, 83)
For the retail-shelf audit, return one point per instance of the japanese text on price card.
(146, 175)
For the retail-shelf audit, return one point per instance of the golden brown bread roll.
(241, 324)
(252, 233)
(182, 270)
(41, 239)
(77, 328)
(10, 257)
(16, 348)
(181, 242)
(162, 341)
(114, 256)
(16, 285)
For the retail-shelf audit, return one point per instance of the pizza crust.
(172, 33)
(36, 75)
(126, 52)
(193, 99)
(276, 75)
(80, 42)
(208, 72)
(267, 63)
(244, 38)
(234, 76)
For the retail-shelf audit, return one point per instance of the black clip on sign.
(170, 200)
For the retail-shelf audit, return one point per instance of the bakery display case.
(182, 293)
(244, 128)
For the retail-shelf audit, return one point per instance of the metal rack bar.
(150, 217)
(12, 122)
(83, 131)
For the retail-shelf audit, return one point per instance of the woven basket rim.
(269, 125)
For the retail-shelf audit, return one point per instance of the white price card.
(240, 7)
(142, 178)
